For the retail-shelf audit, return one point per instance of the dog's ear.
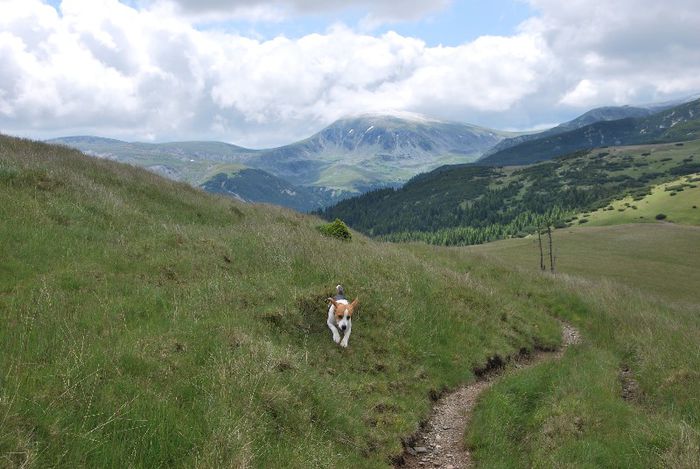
(354, 303)
(331, 300)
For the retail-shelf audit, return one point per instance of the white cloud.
(140, 72)
(621, 51)
(106, 68)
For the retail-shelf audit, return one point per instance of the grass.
(658, 258)
(678, 207)
(146, 323)
(572, 413)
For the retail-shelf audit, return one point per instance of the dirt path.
(441, 442)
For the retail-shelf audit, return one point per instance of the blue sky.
(459, 22)
(266, 72)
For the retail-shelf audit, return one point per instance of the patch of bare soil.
(441, 441)
(630, 386)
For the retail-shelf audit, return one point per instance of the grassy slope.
(146, 323)
(679, 206)
(571, 414)
(656, 257)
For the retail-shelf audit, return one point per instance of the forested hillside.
(679, 123)
(469, 204)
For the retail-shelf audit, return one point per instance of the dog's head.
(343, 312)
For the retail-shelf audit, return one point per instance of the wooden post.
(551, 252)
(539, 240)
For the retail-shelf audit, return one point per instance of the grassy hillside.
(468, 204)
(658, 258)
(677, 200)
(629, 395)
(193, 162)
(147, 323)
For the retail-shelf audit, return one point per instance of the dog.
(340, 316)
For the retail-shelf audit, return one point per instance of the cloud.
(103, 67)
(621, 51)
(131, 70)
(276, 10)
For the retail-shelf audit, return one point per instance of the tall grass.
(146, 323)
(583, 411)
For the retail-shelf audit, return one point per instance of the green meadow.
(678, 201)
(628, 396)
(146, 323)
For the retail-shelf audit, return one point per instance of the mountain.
(675, 124)
(607, 113)
(351, 156)
(358, 153)
(255, 185)
(190, 162)
(470, 204)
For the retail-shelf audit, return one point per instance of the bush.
(336, 229)
(661, 216)
(582, 221)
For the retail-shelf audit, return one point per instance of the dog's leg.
(346, 337)
(331, 326)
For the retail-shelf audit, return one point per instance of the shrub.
(582, 221)
(336, 229)
(660, 216)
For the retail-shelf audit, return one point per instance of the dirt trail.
(441, 442)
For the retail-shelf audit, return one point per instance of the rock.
(420, 449)
(411, 451)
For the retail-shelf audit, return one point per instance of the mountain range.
(678, 123)
(359, 154)
(607, 113)
(349, 157)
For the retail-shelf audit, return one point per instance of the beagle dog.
(340, 316)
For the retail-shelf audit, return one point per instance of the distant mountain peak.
(395, 114)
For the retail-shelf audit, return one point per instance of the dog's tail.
(340, 290)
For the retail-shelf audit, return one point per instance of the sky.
(262, 73)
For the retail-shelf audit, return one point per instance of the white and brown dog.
(340, 316)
